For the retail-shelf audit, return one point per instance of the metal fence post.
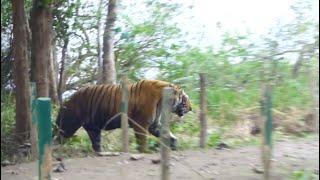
(43, 105)
(266, 108)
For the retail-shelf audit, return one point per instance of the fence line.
(124, 114)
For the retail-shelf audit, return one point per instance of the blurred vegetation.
(152, 41)
(303, 175)
(7, 126)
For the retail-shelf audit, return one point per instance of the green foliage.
(303, 175)
(153, 144)
(235, 86)
(8, 145)
(7, 114)
(81, 141)
(146, 41)
(214, 139)
(6, 16)
(43, 3)
(189, 125)
(149, 38)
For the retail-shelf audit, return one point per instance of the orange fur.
(96, 104)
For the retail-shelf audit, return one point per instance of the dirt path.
(289, 155)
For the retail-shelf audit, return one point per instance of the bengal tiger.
(97, 107)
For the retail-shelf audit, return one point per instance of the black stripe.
(82, 97)
(131, 89)
(153, 83)
(92, 113)
(98, 100)
(136, 89)
(116, 101)
(109, 100)
(134, 96)
(99, 113)
(141, 87)
(112, 102)
(103, 92)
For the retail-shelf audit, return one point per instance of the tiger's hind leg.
(94, 133)
(141, 138)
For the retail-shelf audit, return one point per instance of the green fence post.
(266, 108)
(43, 105)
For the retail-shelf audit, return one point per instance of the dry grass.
(292, 121)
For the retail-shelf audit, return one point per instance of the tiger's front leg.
(173, 142)
(141, 139)
(154, 129)
(94, 133)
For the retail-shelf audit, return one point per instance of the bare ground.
(288, 156)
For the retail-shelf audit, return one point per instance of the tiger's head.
(182, 104)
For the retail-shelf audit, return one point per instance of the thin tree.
(53, 93)
(62, 35)
(108, 67)
(99, 24)
(21, 77)
(62, 73)
(41, 29)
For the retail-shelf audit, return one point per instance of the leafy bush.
(7, 114)
(8, 144)
(303, 175)
(214, 139)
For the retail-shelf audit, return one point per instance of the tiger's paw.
(173, 144)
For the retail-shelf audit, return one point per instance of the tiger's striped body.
(97, 107)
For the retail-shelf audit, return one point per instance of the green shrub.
(8, 144)
(214, 139)
(303, 175)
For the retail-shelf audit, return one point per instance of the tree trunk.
(62, 76)
(55, 66)
(99, 15)
(21, 77)
(41, 27)
(108, 69)
(52, 75)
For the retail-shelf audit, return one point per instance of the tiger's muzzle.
(182, 108)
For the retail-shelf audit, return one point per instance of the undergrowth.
(227, 107)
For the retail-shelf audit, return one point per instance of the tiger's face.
(182, 105)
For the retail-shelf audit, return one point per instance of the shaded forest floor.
(291, 158)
